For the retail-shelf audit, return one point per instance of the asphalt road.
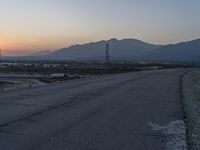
(111, 112)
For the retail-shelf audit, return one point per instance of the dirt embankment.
(191, 101)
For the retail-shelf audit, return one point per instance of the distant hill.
(185, 51)
(124, 50)
(119, 49)
(32, 56)
(40, 53)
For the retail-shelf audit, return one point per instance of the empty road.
(111, 112)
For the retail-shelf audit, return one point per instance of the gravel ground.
(13, 81)
(191, 100)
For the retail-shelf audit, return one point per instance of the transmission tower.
(107, 53)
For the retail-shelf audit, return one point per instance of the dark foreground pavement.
(114, 112)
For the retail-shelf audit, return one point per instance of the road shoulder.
(191, 103)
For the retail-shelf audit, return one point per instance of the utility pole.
(107, 53)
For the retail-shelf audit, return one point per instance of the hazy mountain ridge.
(184, 51)
(44, 52)
(125, 49)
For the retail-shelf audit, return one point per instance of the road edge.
(184, 108)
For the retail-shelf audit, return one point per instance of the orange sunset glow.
(27, 26)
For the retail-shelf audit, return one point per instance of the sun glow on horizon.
(33, 25)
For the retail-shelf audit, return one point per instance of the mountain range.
(184, 51)
(125, 50)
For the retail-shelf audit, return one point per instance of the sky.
(28, 26)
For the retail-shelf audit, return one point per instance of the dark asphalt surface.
(103, 113)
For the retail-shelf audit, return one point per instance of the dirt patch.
(4, 83)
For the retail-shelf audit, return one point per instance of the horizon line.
(80, 44)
